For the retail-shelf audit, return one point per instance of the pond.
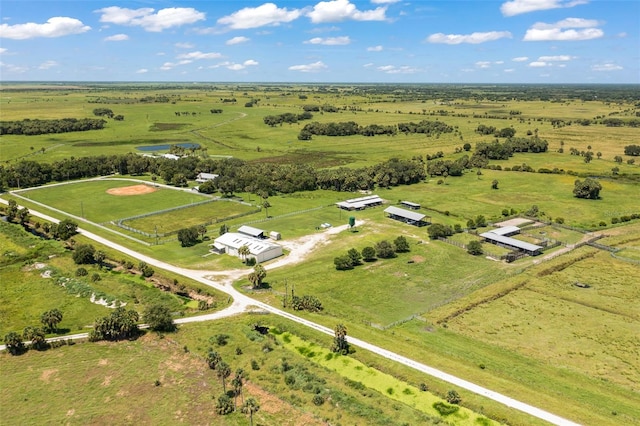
(165, 147)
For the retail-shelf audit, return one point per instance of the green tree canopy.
(159, 318)
(588, 188)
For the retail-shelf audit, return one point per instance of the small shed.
(251, 231)
(410, 205)
(406, 216)
(275, 235)
(205, 177)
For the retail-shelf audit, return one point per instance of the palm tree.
(213, 359)
(244, 251)
(250, 407)
(237, 384)
(223, 371)
(51, 319)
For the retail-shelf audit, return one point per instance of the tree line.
(235, 175)
(350, 128)
(42, 127)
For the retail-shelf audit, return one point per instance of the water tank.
(352, 221)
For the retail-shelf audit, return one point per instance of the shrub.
(445, 409)
(614, 220)
(254, 365)
(81, 272)
(83, 254)
(453, 397)
(318, 399)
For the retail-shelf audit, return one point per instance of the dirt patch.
(106, 381)
(103, 362)
(46, 375)
(274, 405)
(417, 259)
(132, 190)
(517, 221)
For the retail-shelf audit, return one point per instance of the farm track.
(241, 302)
(196, 131)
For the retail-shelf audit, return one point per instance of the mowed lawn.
(91, 200)
(386, 290)
(212, 212)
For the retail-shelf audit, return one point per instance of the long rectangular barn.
(406, 216)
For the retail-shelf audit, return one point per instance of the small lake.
(165, 147)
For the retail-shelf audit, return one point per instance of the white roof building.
(204, 177)
(261, 250)
(251, 231)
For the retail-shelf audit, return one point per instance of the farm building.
(506, 231)
(261, 250)
(410, 205)
(511, 243)
(360, 203)
(406, 216)
(251, 232)
(205, 177)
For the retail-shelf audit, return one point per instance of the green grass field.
(213, 212)
(88, 199)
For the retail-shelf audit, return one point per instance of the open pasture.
(170, 221)
(590, 328)
(387, 290)
(184, 116)
(90, 199)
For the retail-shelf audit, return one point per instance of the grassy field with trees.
(557, 330)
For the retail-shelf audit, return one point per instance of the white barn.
(261, 250)
(205, 177)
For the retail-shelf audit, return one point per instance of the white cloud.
(237, 40)
(340, 10)
(392, 69)
(150, 21)
(509, 70)
(3, 50)
(171, 65)
(541, 31)
(184, 45)
(556, 58)
(520, 59)
(606, 67)
(517, 7)
(375, 49)
(483, 64)
(314, 67)
(474, 38)
(539, 64)
(54, 27)
(330, 41)
(47, 65)
(239, 67)
(254, 17)
(117, 37)
(199, 55)
(142, 71)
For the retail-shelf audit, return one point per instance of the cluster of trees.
(633, 150)
(256, 278)
(35, 335)
(225, 404)
(507, 132)
(382, 250)
(120, 324)
(43, 127)
(502, 151)
(350, 128)
(426, 127)
(106, 112)
(287, 117)
(190, 236)
(234, 174)
(617, 122)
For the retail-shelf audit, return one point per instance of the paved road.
(242, 302)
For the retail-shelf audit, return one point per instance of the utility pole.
(286, 294)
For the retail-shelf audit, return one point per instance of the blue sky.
(386, 41)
